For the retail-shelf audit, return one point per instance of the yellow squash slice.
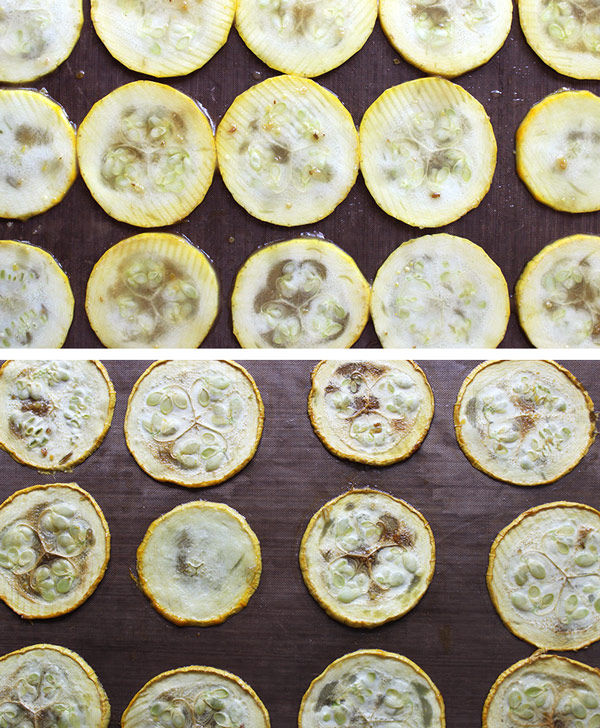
(163, 39)
(427, 152)
(194, 423)
(372, 688)
(367, 557)
(147, 154)
(306, 37)
(54, 549)
(558, 151)
(199, 564)
(524, 422)
(446, 37)
(288, 151)
(442, 291)
(54, 414)
(36, 301)
(300, 293)
(37, 155)
(196, 696)
(152, 290)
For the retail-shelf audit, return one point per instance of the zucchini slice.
(299, 293)
(37, 37)
(524, 422)
(163, 39)
(440, 290)
(372, 687)
(446, 37)
(543, 576)
(152, 290)
(36, 301)
(199, 563)
(194, 423)
(288, 151)
(54, 414)
(54, 549)
(147, 154)
(427, 152)
(305, 37)
(367, 558)
(37, 155)
(558, 151)
(372, 412)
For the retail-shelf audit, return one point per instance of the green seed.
(514, 699)
(585, 559)
(153, 399)
(166, 405)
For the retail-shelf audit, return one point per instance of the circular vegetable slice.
(288, 151)
(196, 696)
(54, 413)
(199, 563)
(305, 37)
(367, 558)
(392, 689)
(154, 289)
(372, 412)
(54, 549)
(36, 301)
(147, 154)
(300, 293)
(37, 37)
(524, 422)
(194, 423)
(427, 152)
(446, 37)
(37, 155)
(440, 290)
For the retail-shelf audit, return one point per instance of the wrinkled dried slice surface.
(558, 151)
(37, 155)
(372, 688)
(427, 152)
(442, 291)
(288, 151)
(147, 154)
(298, 294)
(194, 423)
(527, 423)
(367, 557)
(54, 413)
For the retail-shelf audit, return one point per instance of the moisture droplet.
(79, 75)
(257, 75)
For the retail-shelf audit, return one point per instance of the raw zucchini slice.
(54, 549)
(367, 558)
(288, 151)
(543, 576)
(152, 290)
(36, 301)
(304, 36)
(300, 293)
(37, 37)
(194, 423)
(163, 39)
(446, 37)
(199, 563)
(440, 290)
(196, 696)
(37, 154)
(372, 412)
(427, 152)
(524, 422)
(558, 294)
(147, 154)
(372, 688)
(558, 151)
(54, 414)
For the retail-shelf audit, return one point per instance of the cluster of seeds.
(319, 21)
(214, 707)
(575, 25)
(22, 29)
(435, 23)
(162, 30)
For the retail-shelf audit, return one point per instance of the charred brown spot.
(360, 367)
(281, 154)
(331, 388)
(526, 423)
(582, 535)
(399, 425)
(40, 407)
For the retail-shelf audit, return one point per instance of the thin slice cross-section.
(300, 293)
(288, 151)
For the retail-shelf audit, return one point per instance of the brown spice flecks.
(40, 407)
(331, 388)
(582, 535)
(399, 425)
(526, 423)
(361, 367)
